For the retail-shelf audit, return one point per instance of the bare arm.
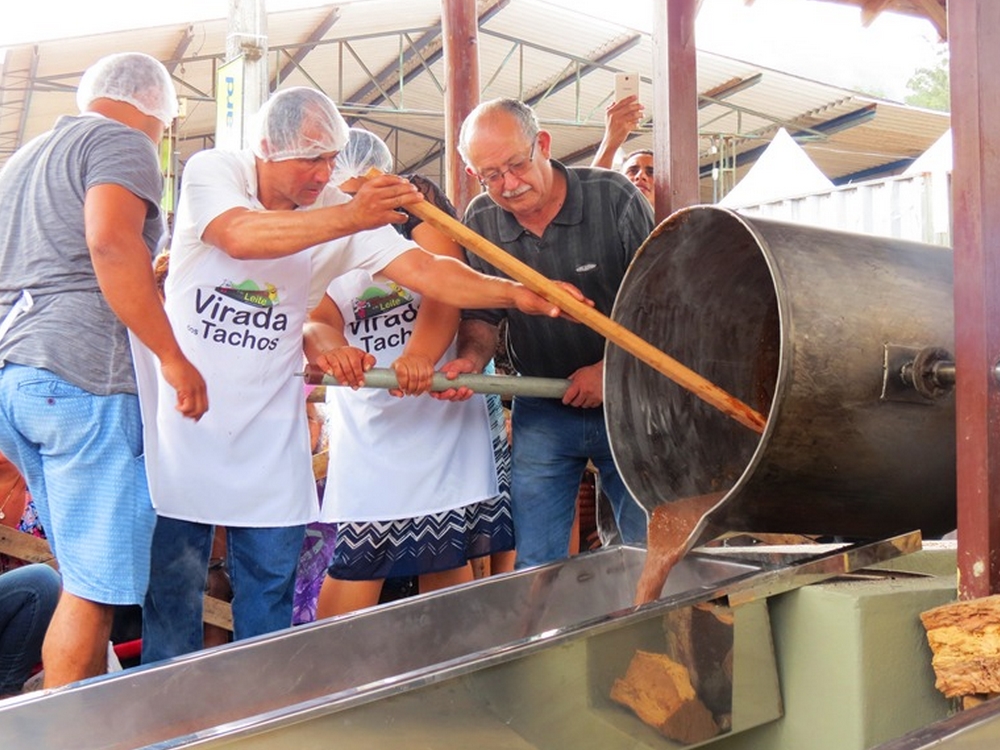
(477, 343)
(113, 220)
(620, 119)
(246, 234)
(436, 324)
(454, 283)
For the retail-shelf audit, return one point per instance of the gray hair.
(523, 114)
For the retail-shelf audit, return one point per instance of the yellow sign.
(167, 167)
(229, 105)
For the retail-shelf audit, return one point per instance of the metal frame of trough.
(566, 629)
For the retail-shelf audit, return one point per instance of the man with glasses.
(579, 225)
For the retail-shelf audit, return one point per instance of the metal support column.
(460, 29)
(975, 58)
(675, 105)
(247, 39)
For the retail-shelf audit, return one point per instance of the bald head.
(522, 116)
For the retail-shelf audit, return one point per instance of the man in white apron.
(79, 222)
(259, 235)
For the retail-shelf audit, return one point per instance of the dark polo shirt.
(589, 243)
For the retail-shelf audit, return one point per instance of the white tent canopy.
(937, 158)
(782, 171)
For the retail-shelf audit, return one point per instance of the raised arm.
(620, 119)
(257, 234)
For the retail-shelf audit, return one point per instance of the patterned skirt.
(373, 550)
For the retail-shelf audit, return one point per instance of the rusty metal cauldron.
(821, 331)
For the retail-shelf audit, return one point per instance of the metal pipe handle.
(505, 385)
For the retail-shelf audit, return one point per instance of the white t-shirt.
(247, 462)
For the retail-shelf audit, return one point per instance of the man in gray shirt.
(577, 225)
(79, 223)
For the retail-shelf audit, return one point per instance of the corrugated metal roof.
(561, 60)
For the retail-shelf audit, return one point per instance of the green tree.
(930, 86)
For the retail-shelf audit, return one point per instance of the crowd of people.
(153, 426)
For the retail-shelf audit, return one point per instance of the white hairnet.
(134, 78)
(297, 123)
(363, 151)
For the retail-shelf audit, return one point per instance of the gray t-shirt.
(589, 243)
(70, 331)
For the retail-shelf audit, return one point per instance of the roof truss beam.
(834, 125)
(16, 87)
(295, 59)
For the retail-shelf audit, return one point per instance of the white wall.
(911, 207)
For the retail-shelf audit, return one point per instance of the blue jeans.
(551, 444)
(261, 563)
(28, 597)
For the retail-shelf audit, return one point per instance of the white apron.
(247, 462)
(394, 458)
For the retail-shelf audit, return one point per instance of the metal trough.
(976, 728)
(523, 660)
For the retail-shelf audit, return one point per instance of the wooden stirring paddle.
(588, 316)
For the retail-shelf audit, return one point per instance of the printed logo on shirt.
(248, 291)
(244, 323)
(376, 300)
(383, 318)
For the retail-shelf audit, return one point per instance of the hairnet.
(131, 77)
(297, 123)
(363, 151)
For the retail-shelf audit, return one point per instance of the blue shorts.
(82, 457)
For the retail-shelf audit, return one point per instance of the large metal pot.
(810, 327)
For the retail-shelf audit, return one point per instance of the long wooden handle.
(593, 319)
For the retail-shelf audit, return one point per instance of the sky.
(779, 34)
(822, 41)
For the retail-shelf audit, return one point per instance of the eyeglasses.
(516, 168)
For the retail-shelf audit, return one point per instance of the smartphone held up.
(626, 84)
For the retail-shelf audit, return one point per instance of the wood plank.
(31, 549)
(217, 612)
(659, 691)
(321, 461)
(26, 547)
(964, 638)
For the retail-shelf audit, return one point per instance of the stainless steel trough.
(976, 728)
(523, 660)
